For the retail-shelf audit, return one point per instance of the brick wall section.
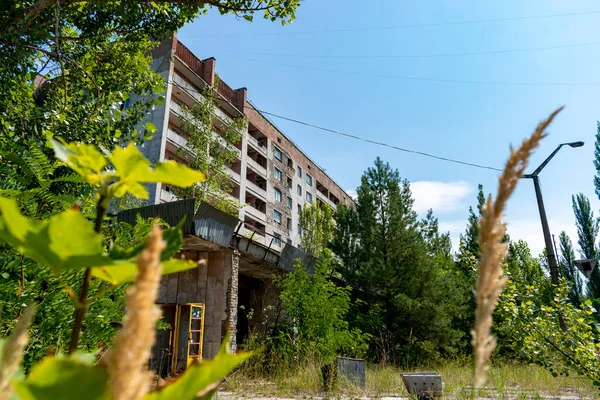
(263, 125)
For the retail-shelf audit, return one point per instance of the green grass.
(506, 381)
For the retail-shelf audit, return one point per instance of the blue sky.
(288, 71)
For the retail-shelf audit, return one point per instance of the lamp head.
(575, 144)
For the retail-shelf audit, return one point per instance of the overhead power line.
(435, 55)
(413, 78)
(391, 146)
(423, 25)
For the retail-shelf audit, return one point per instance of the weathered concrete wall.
(206, 284)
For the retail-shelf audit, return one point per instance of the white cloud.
(352, 193)
(530, 230)
(442, 197)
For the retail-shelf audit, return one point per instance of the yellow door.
(196, 333)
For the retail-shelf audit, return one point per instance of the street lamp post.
(552, 263)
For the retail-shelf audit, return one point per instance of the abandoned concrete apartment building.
(236, 256)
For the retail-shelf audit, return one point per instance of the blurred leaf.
(67, 240)
(119, 273)
(65, 379)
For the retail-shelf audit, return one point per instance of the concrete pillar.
(232, 300)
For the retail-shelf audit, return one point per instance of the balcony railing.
(176, 138)
(257, 167)
(234, 175)
(325, 199)
(195, 94)
(256, 145)
(257, 191)
(256, 214)
(167, 196)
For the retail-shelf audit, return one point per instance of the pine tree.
(411, 293)
(597, 160)
(587, 232)
(468, 241)
(568, 269)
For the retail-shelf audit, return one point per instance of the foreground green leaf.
(65, 378)
(130, 169)
(119, 273)
(68, 241)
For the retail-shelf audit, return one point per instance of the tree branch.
(40, 6)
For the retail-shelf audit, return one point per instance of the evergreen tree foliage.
(384, 257)
(568, 270)
(597, 160)
(587, 232)
(469, 239)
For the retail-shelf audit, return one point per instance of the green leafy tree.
(317, 228)
(211, 149)
(68, 242)
(568, 270)
(384, 258)
(316, 309)
(587, 232)
(536, 333)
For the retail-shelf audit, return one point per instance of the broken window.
(278, 153)
(277, 216)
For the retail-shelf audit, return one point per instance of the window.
(277, 174)
(290, 163)
(299, 171)
(278, 153)
(289, 180)
(309, 179)
(299, 209)
(309, 197)
(299, 190)
(277, 216)
(277, 239)
(289, 202)
(299, 230)
(289, 224)
(277, 195)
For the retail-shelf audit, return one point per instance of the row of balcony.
(194, 92)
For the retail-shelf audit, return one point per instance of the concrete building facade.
(231, 288)
(272, 178)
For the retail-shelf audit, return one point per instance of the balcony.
(234, 175)
(257, 167)
(325, 199)
(195, 95)
(254, 213)
(176, 108)
(176, 138)
(256, 145)
(166, 196)
(255, 190)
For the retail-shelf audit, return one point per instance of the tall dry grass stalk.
(128, 360)
(12, 351)
(490, 278)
